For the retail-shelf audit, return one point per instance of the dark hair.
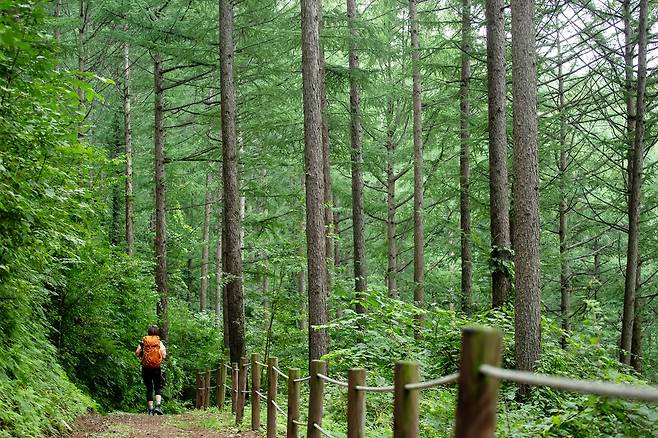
(153, 330)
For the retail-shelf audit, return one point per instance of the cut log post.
(316, 398)
(405, 404)
(234, 388)
(255, 389)
(221, 381)
(477, 394)
(292, 431)
(272, 383)
(356, 403)
(206, 392)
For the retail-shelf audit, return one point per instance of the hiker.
(151, 351)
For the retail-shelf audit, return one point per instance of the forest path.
(140, 425)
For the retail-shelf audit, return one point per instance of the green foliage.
(374, 341)
(44, 212)
(100, 316)
(194, 344)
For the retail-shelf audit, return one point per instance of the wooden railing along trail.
(478, 381)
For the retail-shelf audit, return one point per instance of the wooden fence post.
(206, 393)
(405, 404)
(356, 403)
(272, 382)
(234, 388)
(477, 394)
(242, 387)
(199, 390)
(255, 389)
(292, 430)
(316, 398)
(221, 381)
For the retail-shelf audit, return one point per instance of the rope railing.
(278, 408)
(375, 388)
(322, 431)
(334, 381)
(447, 380)
(280, 373)
(604, 389)
(475, 415)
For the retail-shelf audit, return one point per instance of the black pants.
(153, 381)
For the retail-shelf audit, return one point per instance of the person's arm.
(138, 352)
(163, 351)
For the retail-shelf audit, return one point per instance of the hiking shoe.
(157, 410)
(149, 412)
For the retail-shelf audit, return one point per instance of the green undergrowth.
(386, 333)
(36, 397)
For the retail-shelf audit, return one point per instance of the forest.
(349, 181)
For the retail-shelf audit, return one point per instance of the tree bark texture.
(128, 152)
(232, 251)
(326, 167)
(464, 160)
(58, 14)
(526, 186)
(301, 275)
(160, 198)
(189, 280)
(203, 289)
(635, 192)
(565, 286)
(391, 239)
(315, 214)
(636, 345)
(358, 220)
(419, 239)
(498, 191)
(219, 300)
(115, 225)
(83, 23)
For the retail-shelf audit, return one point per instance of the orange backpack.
(151, 352)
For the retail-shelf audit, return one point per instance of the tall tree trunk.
(358, 221)
(203, 289)
(565, 287)
(391, 239)
(315, 230)
(219, 301)
(629, 91)
(526, 187)
(115, 225)
(58, 14)
(338, 259)
(160, 199)
(419, 239)
(636, 345)
(635, 192)
(83, 23)
(498, 194)
(231, 231)
(464, 160)
(189, 281)
(301, 275)
(326, 169)
(128, 151)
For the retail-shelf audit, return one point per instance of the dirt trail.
(138, 426)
